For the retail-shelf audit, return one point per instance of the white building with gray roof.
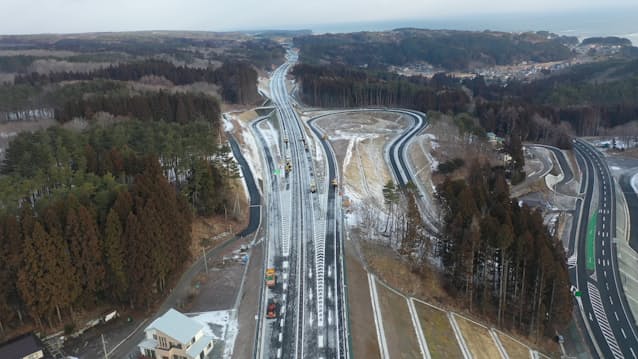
(176, 336)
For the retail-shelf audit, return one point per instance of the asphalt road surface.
(603, 304)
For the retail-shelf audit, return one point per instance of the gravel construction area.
(478, 339)
(438, 332)
(362, 327)
(397, 323)
(217, 289)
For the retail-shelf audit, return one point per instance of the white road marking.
(378, 320)
(601, 318)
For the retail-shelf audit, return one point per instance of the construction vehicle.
(286, 140)
(334, 182)
(313, 187)
(271, 309)
(271, 277)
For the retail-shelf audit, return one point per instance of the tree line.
(238, 80)
(498, 256)
(340, 86)
(45, 164)
(160, 106)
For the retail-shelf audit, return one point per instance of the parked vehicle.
(271, 310)
(271, 277)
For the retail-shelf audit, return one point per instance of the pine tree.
(60, 282)
(5, 278)
(139, 263)
(92, 259)
(14, 244)
(114, 255)
(31, 274)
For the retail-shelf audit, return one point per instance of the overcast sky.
(47, 16)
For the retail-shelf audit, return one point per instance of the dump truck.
(271, 277)
(334, 182)
(313, 187)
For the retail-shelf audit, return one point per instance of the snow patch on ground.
(348, 135)
(634, 182)
(434, 144)
(263, 85)
(271, 136)
(348, 156)
(221, 326)
(434, 164)
(251, 152)
(608, 143)
(228, 124)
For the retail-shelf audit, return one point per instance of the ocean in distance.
(621, 22)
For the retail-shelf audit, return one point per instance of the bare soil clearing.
(399, 331)
(514, 349)
(362, 328)
(438, 332)
(387, 265)
(478, 339)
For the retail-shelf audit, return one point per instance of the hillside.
(445, 49)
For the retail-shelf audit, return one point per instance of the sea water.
(621, 22)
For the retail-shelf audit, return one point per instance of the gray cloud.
(37, 16)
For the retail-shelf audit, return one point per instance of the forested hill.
(237, 80)
(185, 47)
(450, 50)
(609, 40)
(590, 98)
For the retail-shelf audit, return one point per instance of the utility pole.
(205, 260)
(106, 355)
